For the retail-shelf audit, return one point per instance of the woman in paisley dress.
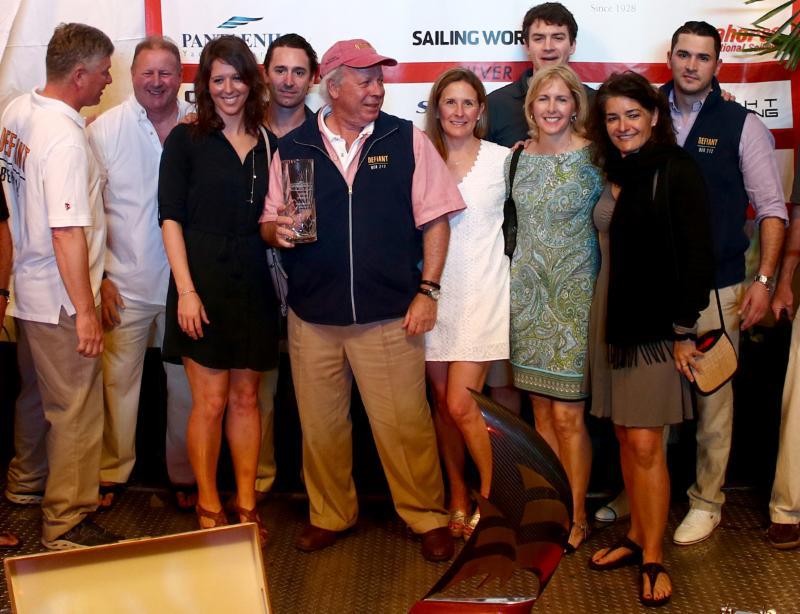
(553, 271)
(472, 321)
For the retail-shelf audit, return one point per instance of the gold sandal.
(253, 516)
(456, 524)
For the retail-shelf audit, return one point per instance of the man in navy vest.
(736, 153)
(362, 294)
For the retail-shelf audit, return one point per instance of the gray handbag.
(280, 280)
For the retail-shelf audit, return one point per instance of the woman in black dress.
(222, 314)
(656, 273)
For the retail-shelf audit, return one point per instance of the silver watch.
(433, 293)
(769, 282)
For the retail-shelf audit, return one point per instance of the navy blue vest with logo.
(713, 142)
(364, 266)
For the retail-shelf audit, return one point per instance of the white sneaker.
(614, 510)
(696, 527)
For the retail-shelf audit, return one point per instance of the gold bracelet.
(185, 292)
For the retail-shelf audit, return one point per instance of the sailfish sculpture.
(524, 523)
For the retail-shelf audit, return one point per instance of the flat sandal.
(634, 557)
(652, 571)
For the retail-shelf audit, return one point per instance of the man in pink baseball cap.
(359, 304)
(355, 53)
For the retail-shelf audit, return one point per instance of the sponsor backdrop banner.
(427, 38)
(7, 15)
(22, 66)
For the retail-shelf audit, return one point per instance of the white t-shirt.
(128, 150)
(53, 181)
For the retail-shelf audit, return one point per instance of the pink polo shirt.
(433, 191)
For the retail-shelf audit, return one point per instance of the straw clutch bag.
(719, 361)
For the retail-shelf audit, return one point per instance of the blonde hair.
(544, 76)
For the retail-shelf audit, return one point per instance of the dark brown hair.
(293, 41)
(553, 13)
(698, 28)
(235, 52)
(433, 128)
(631, 85)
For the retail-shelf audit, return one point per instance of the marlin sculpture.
(524, 524)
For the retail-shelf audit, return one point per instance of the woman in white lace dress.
(473, 314)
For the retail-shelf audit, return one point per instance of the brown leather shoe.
(313, 538)
(783, 536)
(437, 545)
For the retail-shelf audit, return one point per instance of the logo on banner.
(763, 107)
(192, 43)
(445, 38)
(235, 22)
(734, 42)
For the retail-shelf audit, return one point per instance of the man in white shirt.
(59, 238)
(127, 141)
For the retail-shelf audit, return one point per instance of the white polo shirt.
(128, 150)
(54, 182)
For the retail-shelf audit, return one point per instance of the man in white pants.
(127, 141)
(784, 505)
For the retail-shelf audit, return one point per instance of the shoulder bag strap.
(512, 171)
(674, 259)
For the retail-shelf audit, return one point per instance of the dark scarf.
(642, 276)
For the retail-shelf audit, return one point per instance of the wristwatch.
(433, 293)
(769, 282)
(6, 295)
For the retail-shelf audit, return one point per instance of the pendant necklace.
(253, 180)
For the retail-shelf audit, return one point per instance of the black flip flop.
(634, 557)
(652, 570)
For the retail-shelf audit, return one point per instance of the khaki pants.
(179, 406)
(123, 359)
(389, 368)
(58, 424)
(784, 506)
(715, 412)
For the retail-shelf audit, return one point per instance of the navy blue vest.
(713, 142)
(364, 266)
